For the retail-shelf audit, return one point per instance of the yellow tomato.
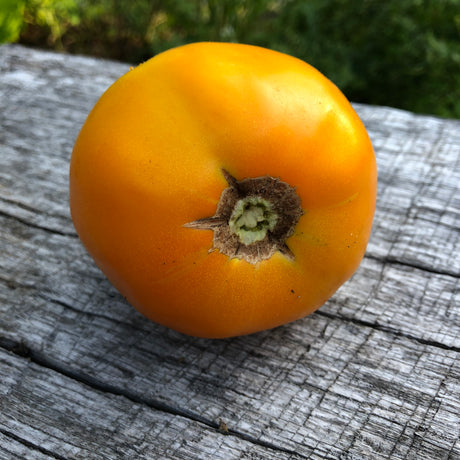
(224, 188)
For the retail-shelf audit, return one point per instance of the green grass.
(400, 53)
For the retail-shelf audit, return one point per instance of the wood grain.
(374, 374)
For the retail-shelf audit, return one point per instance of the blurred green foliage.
(401, 53)
(11, 14)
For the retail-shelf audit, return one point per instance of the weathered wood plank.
(73, 420)
(318, 387)
(375, 373)
(417, 220)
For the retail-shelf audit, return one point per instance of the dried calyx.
(254, 217)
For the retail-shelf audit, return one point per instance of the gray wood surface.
(374, 374)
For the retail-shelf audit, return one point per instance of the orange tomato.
(155, 155)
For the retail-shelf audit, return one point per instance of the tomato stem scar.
(253, 219)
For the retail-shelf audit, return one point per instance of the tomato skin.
(149, 159)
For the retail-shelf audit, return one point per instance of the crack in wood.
(37, 226)
(70, 307)
(389, 260)
(33, 210)
(31, 445)
(387, 329)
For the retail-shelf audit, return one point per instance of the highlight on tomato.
(224, 188)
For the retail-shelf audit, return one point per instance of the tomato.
(224, 188)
